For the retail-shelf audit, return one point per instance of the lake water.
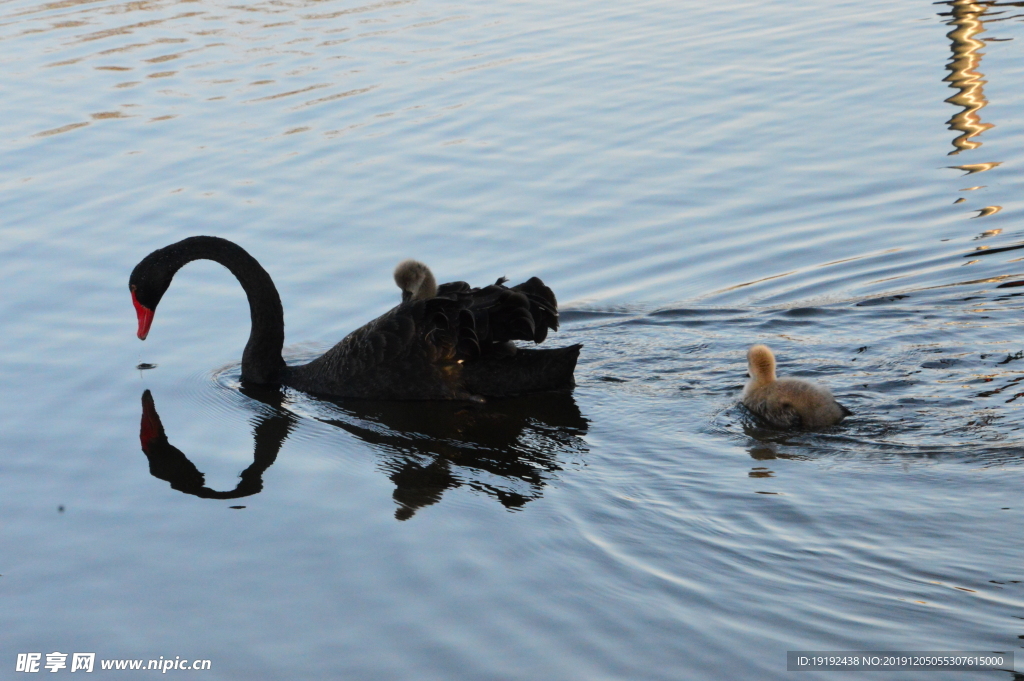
(842, 181)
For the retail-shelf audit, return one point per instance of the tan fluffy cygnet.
(416, 280)
(787, 402)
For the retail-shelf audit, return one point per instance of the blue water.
(690, 180)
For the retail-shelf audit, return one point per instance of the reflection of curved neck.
(964, 75)
(169, 463)
(261, 360)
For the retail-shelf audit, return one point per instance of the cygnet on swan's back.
(787, 402)
(416, 281)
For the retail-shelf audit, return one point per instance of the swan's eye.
(131, 287)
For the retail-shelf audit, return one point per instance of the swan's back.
(454, 345)
(787, 402)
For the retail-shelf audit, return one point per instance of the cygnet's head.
(761, 364)
(416, 280)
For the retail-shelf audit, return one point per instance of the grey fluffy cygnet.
(787, 402)
(416, 281)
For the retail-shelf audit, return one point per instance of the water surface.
(840, 182)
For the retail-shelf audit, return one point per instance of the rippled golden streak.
(63, 128)
(964, 75)
(51, 6)
(967, 282)
(340, 95)
(988, 210)
(130, 28)
(858, 257)
(288, 94)
(756, 281)
(972, 168)
(135, 46)
(359, 10)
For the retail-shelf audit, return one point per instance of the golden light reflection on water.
(964, 75)
(966, 18)
(122, 38)
(972, 168)
(988, 210)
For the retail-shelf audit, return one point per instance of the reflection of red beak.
(151, 426)
(145, 317)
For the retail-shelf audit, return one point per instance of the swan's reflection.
(169, 463)
(507, 449)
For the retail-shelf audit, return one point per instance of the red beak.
(145, 317)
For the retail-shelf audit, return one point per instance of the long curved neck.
(261, 361)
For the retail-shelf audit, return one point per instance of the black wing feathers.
(452, 288)
(543, 307)
(465, 323)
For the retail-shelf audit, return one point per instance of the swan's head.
(761, 364)
(148, 283)
(416, 280)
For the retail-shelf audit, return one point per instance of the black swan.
(452, 345)
(787, 402)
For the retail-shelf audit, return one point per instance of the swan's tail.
(523, 312)
(543, 307)
(527, 371)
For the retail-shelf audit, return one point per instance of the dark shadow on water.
(507, 449)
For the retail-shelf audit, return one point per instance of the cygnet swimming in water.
(787, 402)
(416, 281)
